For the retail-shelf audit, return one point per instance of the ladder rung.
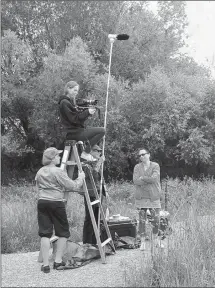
(94, 202)
(71, 163)
(106, 241)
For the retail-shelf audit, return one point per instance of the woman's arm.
(72, 114)
(67, 183)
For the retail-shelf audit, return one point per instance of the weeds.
(190, 261)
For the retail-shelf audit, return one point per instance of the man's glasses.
(142, 154)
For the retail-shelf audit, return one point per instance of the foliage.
(158, 97)
(17, 67)
(167, 116)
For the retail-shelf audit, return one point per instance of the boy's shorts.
(52, 214)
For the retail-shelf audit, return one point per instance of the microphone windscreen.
(122, 37)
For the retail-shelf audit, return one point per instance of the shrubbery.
(158, 98)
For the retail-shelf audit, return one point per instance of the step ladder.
(69, 160)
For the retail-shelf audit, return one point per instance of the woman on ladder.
(73, 118)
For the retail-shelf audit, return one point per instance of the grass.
(19, 218)
(19, 215)
(190, 261)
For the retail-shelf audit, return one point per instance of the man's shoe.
(158, 243)
(57, 265)
(142, 246)
(87, 157)
(45, 269)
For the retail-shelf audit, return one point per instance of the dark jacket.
(72, 117)
(97, 179)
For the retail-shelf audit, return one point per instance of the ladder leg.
(101, 211)
(68, 154)
(95, 227)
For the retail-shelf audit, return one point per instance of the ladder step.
(94, 202)
(106, 241)
(71, 163)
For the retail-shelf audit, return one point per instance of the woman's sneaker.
(57, 265)
(87, 157)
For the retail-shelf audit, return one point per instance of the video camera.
(85, 103)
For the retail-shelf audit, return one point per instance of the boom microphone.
(118, 37)
(122, 37)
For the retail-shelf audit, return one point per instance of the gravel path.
(23, 270)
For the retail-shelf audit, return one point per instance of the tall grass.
(194, 251)
(19, 218)
(189, 259)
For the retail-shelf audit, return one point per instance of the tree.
(158, 97)
(173, 21)
(17, 66)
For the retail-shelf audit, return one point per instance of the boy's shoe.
(45, 269)
(87, 157)
(57, 265)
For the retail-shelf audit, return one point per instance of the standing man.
(146, 177)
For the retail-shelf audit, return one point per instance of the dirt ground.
(23, 270)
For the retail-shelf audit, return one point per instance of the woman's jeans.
(143, 217)
(89, 135)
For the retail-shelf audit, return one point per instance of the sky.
(201, 31)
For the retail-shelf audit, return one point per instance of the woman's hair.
(70, 84)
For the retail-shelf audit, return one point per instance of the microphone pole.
(112, 38)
